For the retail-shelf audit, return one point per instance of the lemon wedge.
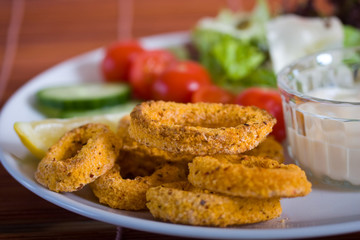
(38, 136)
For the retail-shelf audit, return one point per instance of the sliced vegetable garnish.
(85, 96)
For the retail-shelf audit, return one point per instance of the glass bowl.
(321, 101)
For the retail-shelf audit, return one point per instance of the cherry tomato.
(212, 94)
(268, 99)
(115, 65)
(145, 67)
(179, 81)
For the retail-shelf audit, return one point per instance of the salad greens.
(233, 48)
(351, 36)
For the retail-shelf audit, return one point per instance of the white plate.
(326, 211)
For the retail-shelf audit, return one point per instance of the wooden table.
(38, 34)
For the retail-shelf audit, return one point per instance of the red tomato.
(212, 94)
(145, 67)
(268, 99)
(115, 65)
(179, 81)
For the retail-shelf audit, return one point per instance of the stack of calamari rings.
(200, 164)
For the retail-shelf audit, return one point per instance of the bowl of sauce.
(321, 102)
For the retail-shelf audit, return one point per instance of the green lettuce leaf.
(234, 49)
(351, 36)
(235, 59)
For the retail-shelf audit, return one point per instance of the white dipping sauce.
(323, 141)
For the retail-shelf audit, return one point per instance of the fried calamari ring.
(248, 176)
(200, 128)
(134, 165)
(78, 158)
(129, 144)
(130, 194)
(183, 203)
(269, 148)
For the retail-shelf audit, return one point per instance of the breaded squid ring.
(78, 158)
(248, 176)
(182, 203)
(269, 148)
(199, 128)
(130, 194)
(130, 145)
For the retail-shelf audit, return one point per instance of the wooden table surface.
(37, 34)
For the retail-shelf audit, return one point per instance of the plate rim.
(156, 226)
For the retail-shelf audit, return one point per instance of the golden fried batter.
(199, 128)
(183, 203)
(129, 144)
(129, 194)
(78, 158)
(248, 176)
(201, 164)
(269, 148)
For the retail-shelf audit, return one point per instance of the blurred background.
(38, 34)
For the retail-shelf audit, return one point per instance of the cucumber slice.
(55, 113)
(87, 96)
(125, 107)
